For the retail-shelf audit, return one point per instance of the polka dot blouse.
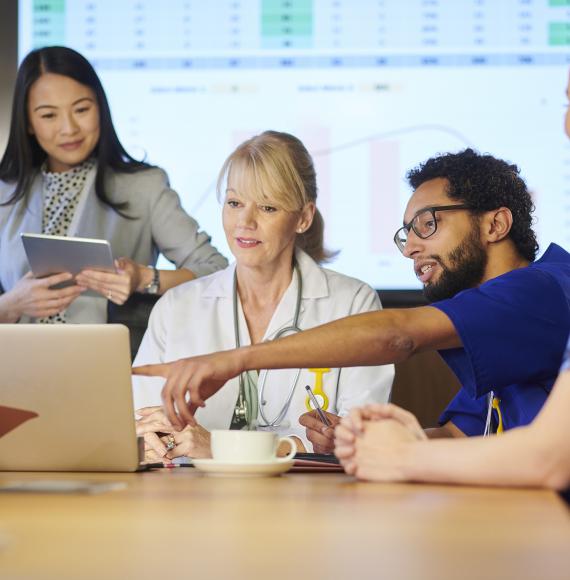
(61, 195)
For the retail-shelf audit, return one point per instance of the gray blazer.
(162, 226)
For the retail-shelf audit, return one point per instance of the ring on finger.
(170, 443)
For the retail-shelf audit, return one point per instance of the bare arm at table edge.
(536, 455)
(372, 338)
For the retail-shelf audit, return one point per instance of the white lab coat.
(197, 318)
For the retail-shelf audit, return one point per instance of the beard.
(465, 269)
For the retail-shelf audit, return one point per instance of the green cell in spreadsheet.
(293, 18)
(290, 7)
(559, 33)
(559, 40)
(48, 25)
(559, 3)
(48, 6)
(559, 27)
(287, 29)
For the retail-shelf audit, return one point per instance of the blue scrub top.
(514, 330)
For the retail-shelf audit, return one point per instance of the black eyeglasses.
(424, 224)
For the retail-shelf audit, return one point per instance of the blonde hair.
(276, 168)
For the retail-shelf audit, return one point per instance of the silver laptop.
(66, 399)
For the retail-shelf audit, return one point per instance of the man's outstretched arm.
(373, 338)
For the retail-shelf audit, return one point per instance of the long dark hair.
(24, 156)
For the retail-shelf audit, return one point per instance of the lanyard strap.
(493, 403)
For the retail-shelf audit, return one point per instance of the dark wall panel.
(8, 62)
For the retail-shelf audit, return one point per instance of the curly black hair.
(484, 183)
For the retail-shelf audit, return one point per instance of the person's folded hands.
(350, 427)
(193, 441)
(320, 435)
(152, 425)
(359, 420)
(382, 451)
(378, 411)
(345, 440)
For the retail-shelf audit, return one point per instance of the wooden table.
(177, 524)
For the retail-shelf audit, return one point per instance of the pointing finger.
(157, 370)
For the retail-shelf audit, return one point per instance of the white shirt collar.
(313, 277)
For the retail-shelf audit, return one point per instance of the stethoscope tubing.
(262, 381)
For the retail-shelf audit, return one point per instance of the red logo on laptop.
(10, 418)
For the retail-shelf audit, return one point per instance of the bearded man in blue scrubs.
(510, 311)
(499, 318)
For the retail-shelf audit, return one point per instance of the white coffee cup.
(249, 446)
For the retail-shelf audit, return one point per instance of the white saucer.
(227, 469)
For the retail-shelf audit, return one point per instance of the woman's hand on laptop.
(36, 298)
(189, 381)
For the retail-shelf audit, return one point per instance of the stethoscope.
(241, 410)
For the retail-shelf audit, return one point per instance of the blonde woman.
(275, 233)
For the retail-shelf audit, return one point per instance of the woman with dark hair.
(64, 172)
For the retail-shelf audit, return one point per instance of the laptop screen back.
(66, 398)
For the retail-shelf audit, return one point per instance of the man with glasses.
(509, 311)
(499, 318)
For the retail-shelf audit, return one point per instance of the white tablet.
(49, 255)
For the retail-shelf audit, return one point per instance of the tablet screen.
(48, 255)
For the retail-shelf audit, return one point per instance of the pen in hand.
(318, 409)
